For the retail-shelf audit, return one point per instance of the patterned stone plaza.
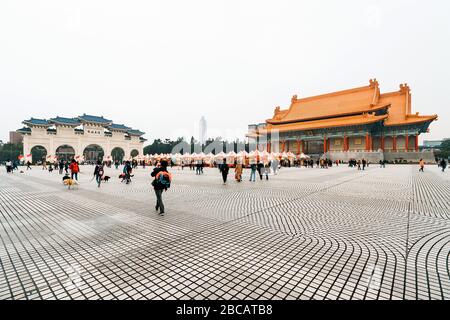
(333, 233)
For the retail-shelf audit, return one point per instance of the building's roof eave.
(418, 119)
(322, 124)
(366, 109)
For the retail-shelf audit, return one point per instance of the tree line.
(214, 146)
(10, 151)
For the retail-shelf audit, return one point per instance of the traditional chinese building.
(350, 124)
(89, 136)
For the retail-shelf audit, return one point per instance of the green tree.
(444, 150)
(10, 151)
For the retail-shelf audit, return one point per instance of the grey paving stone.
(304, 234)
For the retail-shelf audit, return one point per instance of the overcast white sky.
(158, 66)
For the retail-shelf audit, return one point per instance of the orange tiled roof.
(347, 102)
(326, 123)
(350, 103)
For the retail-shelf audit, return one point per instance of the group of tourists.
(361, 164)
(263, 169)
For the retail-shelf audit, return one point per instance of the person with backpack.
(98, 172)
(74, 169)
(224, 169)
(161, 182)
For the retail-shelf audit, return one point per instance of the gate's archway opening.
(117, 154)
(38, 154)
(65, 152)
(93, 152)
(134, 153)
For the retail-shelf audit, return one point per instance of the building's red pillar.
(416, 143)
(346, 146)
(382, 143)
(298, 146)
(406, 142)
(283, 146)
(325, 145)
(394, 143)
(268, 146)
(367, 142)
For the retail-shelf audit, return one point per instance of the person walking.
(197, 167)
(238, 172)
(267, 169)
(8, 165)
(127, 169)
(260, 169)
(253, 172)
(61, 166)
(224, 169)
(161, 182)
(28, 165)
(364, 163)
(421, 165)
(98, 172)
(275, 166)
(66, 167)
(443, 164)
(359, 164)
(74, 169)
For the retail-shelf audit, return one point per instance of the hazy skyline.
(159, 66)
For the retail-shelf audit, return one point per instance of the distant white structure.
(202, 130)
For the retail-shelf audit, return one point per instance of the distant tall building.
(15, 137)
(202, 131)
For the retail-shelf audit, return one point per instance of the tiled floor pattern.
(333, 233)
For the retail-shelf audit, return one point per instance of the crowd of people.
(162, 178)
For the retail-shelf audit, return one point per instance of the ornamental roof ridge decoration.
(36, 122)
(93, 119)
(119, 127)
(65, 121)
(134, 132)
